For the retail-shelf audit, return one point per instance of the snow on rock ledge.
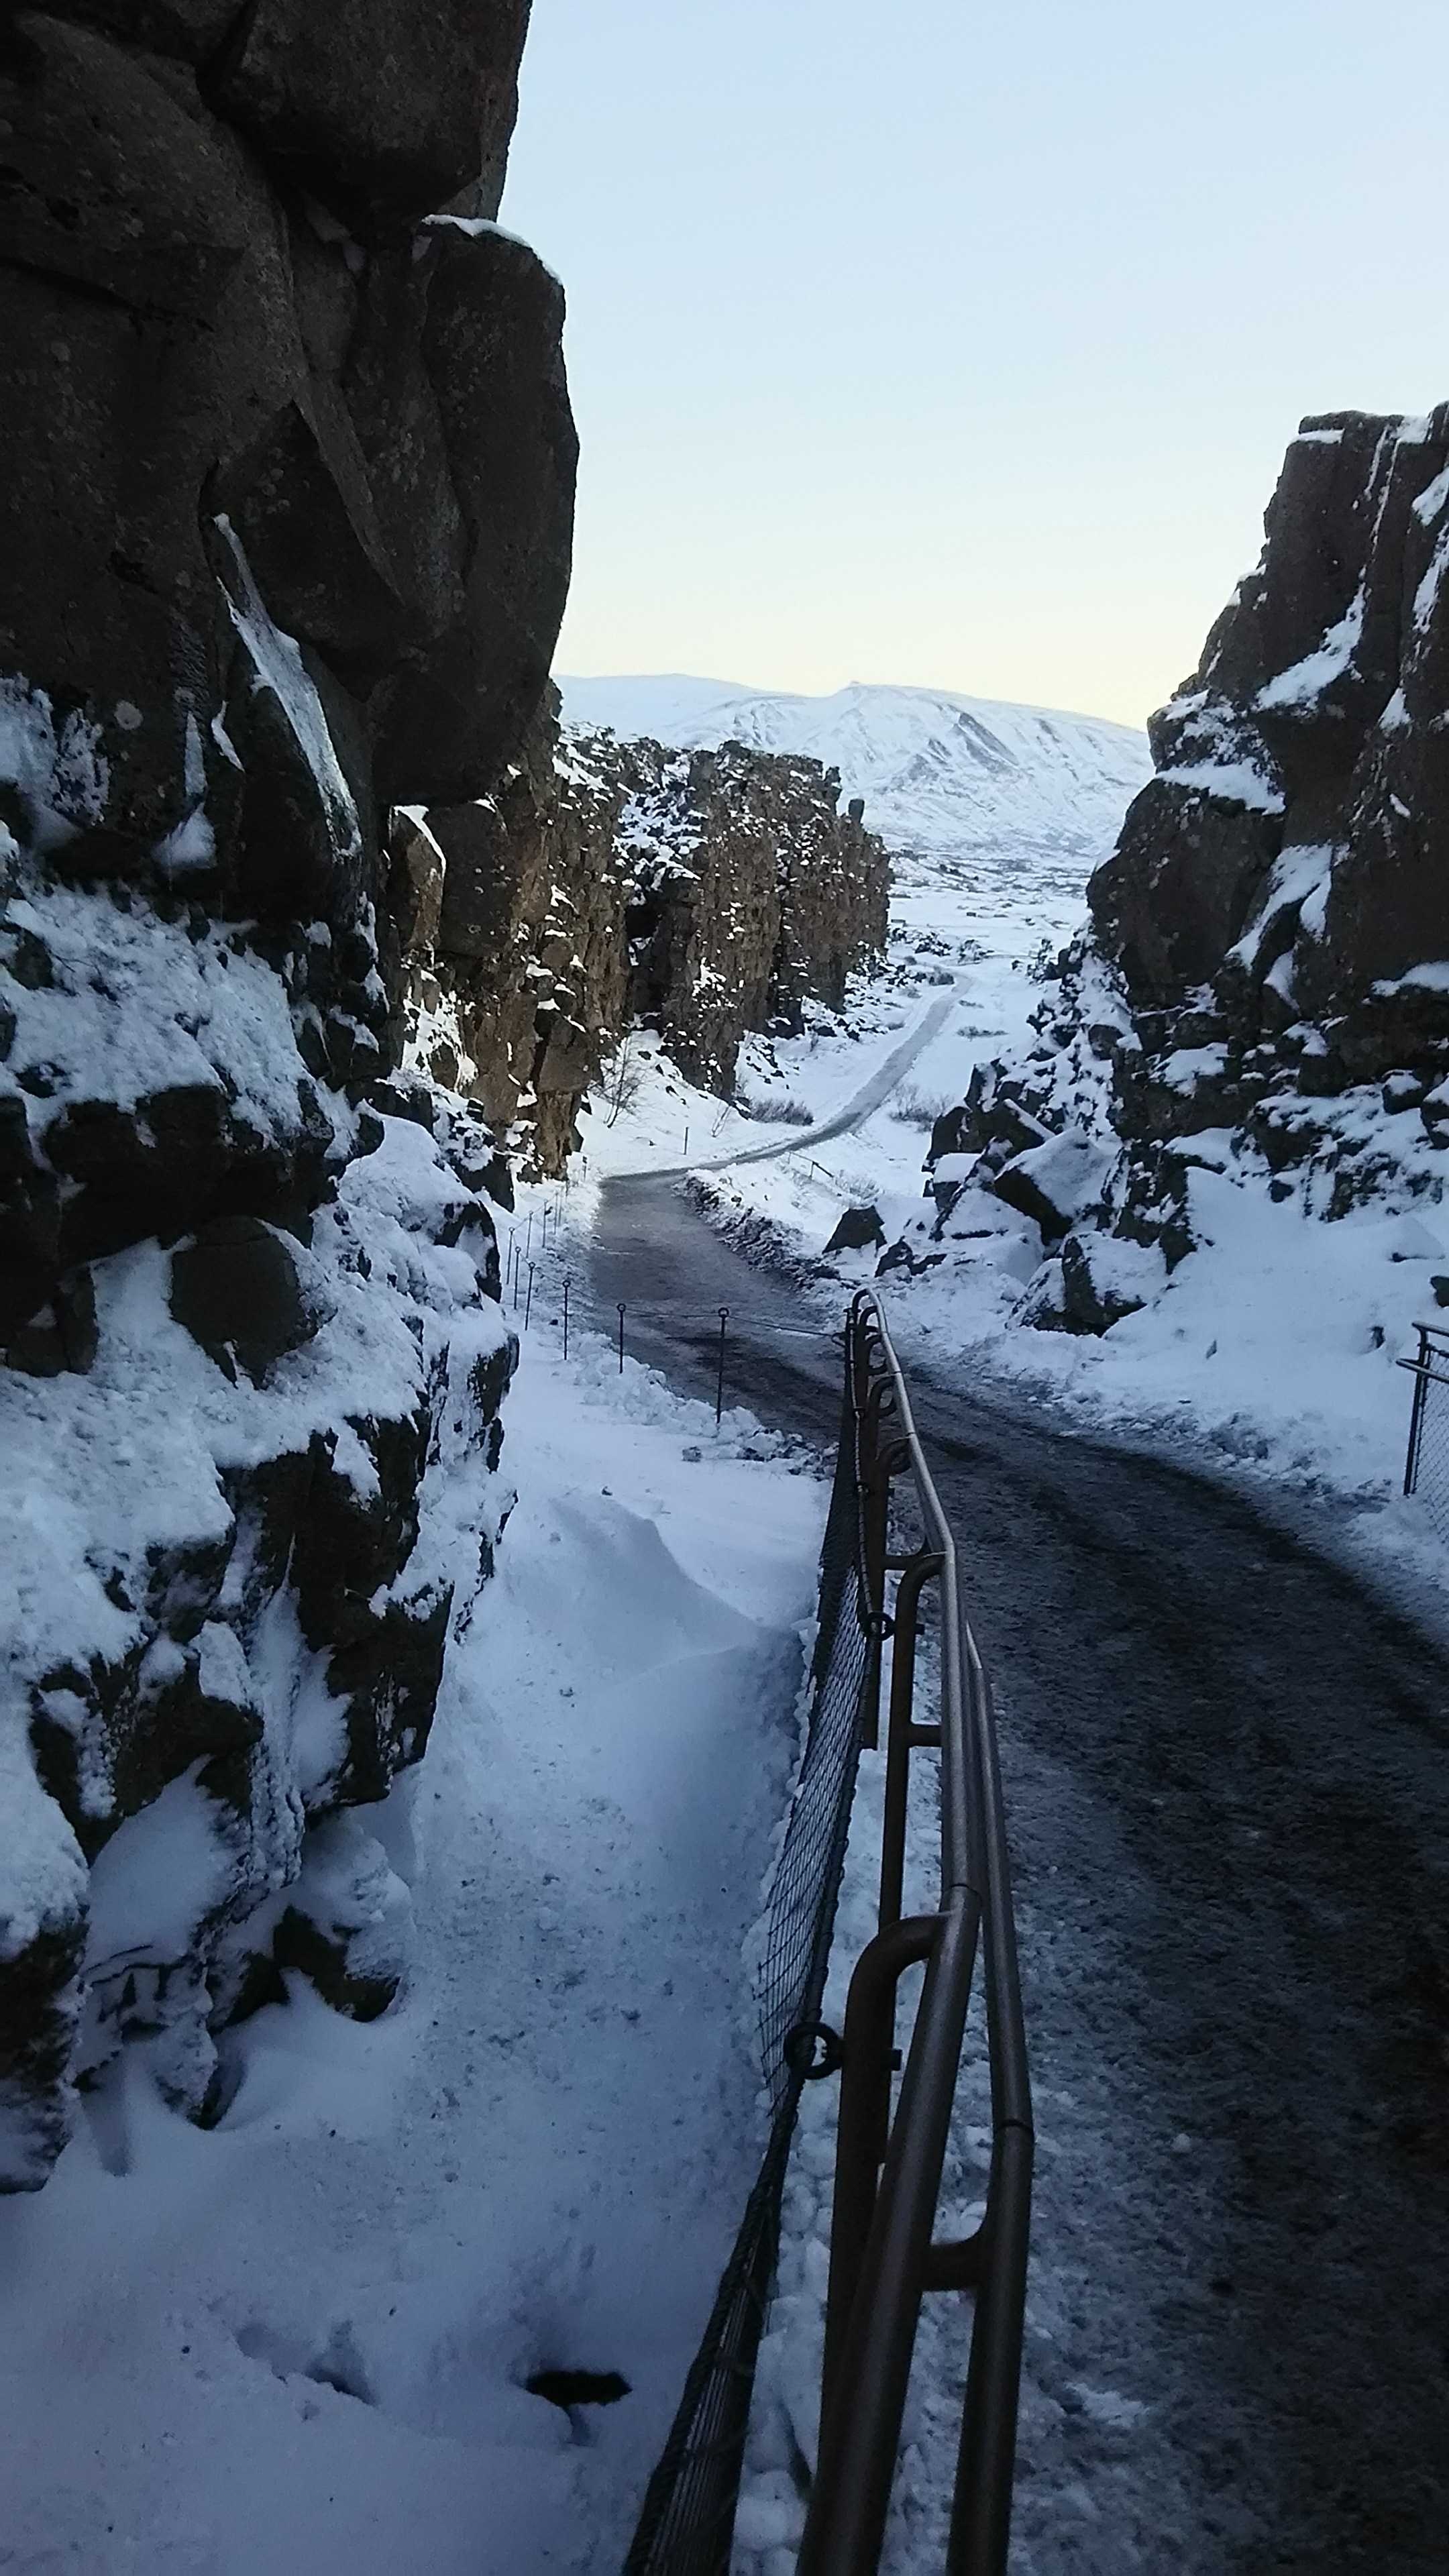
(1260, 1009)
(286, 484)
(703, 893)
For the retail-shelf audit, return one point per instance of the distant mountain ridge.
(942, 775)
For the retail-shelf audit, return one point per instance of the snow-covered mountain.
(942, 775)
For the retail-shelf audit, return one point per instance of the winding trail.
(840, 1122)
(1225, 1767)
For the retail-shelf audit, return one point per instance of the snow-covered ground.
(301, 2339)
(1272, 1348)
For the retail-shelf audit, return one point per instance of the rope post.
(566, 1316)
(621, 1341)
(528, 1301)
(686, 1140)
(724, 1316)
(1416, 1417)
(528, 1238)
(515, 1285)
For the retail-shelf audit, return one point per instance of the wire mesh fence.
(1426, 1469)
(689, 2508)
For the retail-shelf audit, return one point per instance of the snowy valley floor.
(1271, 1356)
(301, 2340)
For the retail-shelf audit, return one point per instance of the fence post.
(902, 1732)
(724, 1316)
(863, 2121)
(1416, 1417)
(621, 1341)
(528, 1302)
(566, 1316)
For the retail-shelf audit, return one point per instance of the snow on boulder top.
(941, 775)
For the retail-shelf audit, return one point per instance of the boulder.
(491, 343)
(386, 110)
(1104, 1279)
(347, 1923)
(858, 1229)
(153, 211)
(1056, 1183)
(236, 1290)
(1178, 889)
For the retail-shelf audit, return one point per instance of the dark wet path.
(1227, 1767)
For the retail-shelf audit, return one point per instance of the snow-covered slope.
(941, 775)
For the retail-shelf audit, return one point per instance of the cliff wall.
(703, 893)
(286, 475)
(1264, 989)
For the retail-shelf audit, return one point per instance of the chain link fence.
(689, 2509)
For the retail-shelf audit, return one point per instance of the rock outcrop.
(606, 883)
(286, 476)
(1264, 990)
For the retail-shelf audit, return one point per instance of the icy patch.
(277, 665)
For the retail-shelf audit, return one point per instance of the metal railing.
(1426, 1467)
(884, 2258)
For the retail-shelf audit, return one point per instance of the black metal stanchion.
(724, 1316)
(528, 1301)
(566, 1316)
(621, 1341)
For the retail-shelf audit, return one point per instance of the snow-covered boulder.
(1058, 1182)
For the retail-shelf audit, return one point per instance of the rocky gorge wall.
(607, 883)
(1263, 991)
(286, 473)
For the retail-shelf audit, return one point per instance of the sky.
(958, 343)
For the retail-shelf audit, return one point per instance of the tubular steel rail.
(1429, 1368)
(884, 2258)
(884, 2255)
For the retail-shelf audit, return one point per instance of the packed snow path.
(853, 1112)
(1225, 1776)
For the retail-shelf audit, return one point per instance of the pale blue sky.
(959, 343)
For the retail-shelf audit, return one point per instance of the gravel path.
(1225, 1770)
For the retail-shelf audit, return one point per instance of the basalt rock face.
(606, 883)
(286, 476)
(1264, 992)
(1291, 850)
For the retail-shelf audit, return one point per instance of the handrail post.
(920, 1571)
(1416, 1416)
(863, 2121)
(859, 2437)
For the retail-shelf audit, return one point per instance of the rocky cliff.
(1264, 989)
(606, 883)
(286, 468)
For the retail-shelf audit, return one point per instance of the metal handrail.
(884, 2258)
(1433, 1345)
